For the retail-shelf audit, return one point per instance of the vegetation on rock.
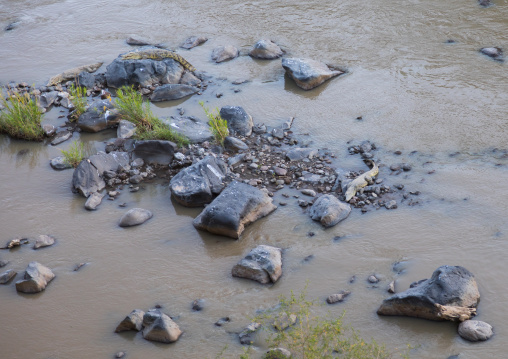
(21, 117)
(78, 99)
(218, 126)
(75, 154)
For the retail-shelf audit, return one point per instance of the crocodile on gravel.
(361, 181)
(73, 73)
(158, 54)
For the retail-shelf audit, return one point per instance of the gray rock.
(298, 154)
(263, 264)
(61, 137)
(308, 73)
(86, 79)
(224, 53)
(245, 335)
(391, 204)
(450, 286)
(66, 102)
(93, 201)
(48, 98)
(98, 116)
(195, 131)
(49, 130)
(134, 217)
(198, 305)
(237, 206)
(234, 144)
(126, 129)
(159, 327)
(155, 151)
(143, 73)
(136, 179)
(36, 278)
(44, 241)
(7, 276)
(193, 41)
(475, 330)
(137, 41)
(266, 50)
(134, 321)
(277, 353)
(119, 355)
(86, 179)
(59, 163)
(337, 297)
(172, 92)
(239, 122)
(196, 185)
(3, 263)
(188, 78)
(329, 210)
(113, 161)
(493, 52)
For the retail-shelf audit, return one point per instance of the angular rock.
(86, 179)
(155, 151)
(234, 144)
(7, 276)
(337, 297)
(450, 294)
(44, 241)
(136, 41)
(237, 206)
(49, 130)
(239, 122)
(262, 264)
(475, 330)
(48, 98)
(266, 50)
(126, 129)
(36, 278)
(328, 210)
(3, 263)
(245, 335)
(196, 185)
(195, 131)
(100, 115)
(495, 53)
(86, 79)
(159, 327)
(134, 217)
(93, 201)
(113, 161)
(61, 137)
(298, 154)
(308, 73)
(224, 53)
(193, 41)
(134, 321)
(188, 78)
(59, 163)
(172, 92)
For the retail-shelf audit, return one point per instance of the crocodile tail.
(184, 62)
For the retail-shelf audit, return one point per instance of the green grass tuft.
(78, 99)
(75, 154)
(218, 125)
(21, 117)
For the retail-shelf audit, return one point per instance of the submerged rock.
(224, 53)
(59, 163)
(236, 207)
(337, 297)
(86, 179)
(7, 276)
(93, 201)
(172, 92)
(451, 294)
(44, 241)
(134, 217)
(493, 52)
(36, 278)
(329, 210)
(475, 330)
(134, 321)
(266, 50)
(239, 121)
(159, 327)
(308, 73)
(262, 264)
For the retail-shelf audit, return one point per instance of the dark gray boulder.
(44, 241)
(86, 179)
(126, 129)
(308, 73)
(224, 53)
(329, 211)
(196, 185)
(193, 41)
(86, 79)
(36, 278)
(266, 50)
(112, 161)
(493, 52)
(61, 137)
(194, 130)
(155, 151)
(239, 121)
(172, 92)
(451, 294)
(159, 327)
(7, 276)
(237, 206)
(48, 98)
(101, 114)
(263, 264)
(475, 330)
(134, 321)
(134, 217)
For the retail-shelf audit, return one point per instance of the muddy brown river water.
(414, 92)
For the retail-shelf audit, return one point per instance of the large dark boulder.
(263, 264)
(450, 294)
(86, 179)
(36, 278)
(172, 92)
(101, 114)
(308, 73)
(237, 206)
(194, 130)
(239, 121)
(196, 185)
(155, 151)
(266, 50)
(329, 211)
(159, 327)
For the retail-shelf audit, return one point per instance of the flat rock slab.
(237, 206)
(266, 50)
(239, 121)
(159, 327)
(193, 41)
(155, 151)
(475, 330)
(126, 129)
(86, 179)
(329, 211)
(134, 321)
(61, 137)
(234, 144)
(36, 278)
(172, 92)
(134, 217)
(114, 161)
(44, 241)
(450, 294)
(195, 131)
(224, 53)
(263, 264)
(308, 73)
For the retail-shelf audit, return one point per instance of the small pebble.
(373, 279)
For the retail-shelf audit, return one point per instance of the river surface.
(443, 105)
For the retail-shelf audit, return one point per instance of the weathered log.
(455, 314)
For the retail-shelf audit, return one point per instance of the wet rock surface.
(475, 330)
(495, 53)
(266, 50)
(308, 73)
(135, 217)
(134, 321)
(329, 211)
(86, 179)
(263, 264)
(159, 327)
(155, 151)
(35, 279)
(44, 241)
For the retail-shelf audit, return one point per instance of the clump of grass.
(21, 117)
(218, 125)
(149, 127)
(75, 154)
(78, 99)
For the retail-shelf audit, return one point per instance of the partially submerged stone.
(59, 163)
(134, 321)
(61, 137)
(93, 201)
(101, 114)
(224, 53)
(134, 217)
(159, 327)
(451, 294)
(155, 151)
(36, 278)
(193, 41)
(239, 121)
(126, 129)
(194, 130)
(86, 179)
(495, 53)
(245, 335)
(44, 241)
(337, 297)
(237, 206)
(171, 92)
(475, 330)
(7, 276)
(266, 50)
(298, 154)
(329, 211)
(263, 264)
(113, 161)
(308, 73)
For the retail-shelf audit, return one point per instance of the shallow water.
(414, 91)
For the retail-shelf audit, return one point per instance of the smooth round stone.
(475, 330)
(135, 217)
